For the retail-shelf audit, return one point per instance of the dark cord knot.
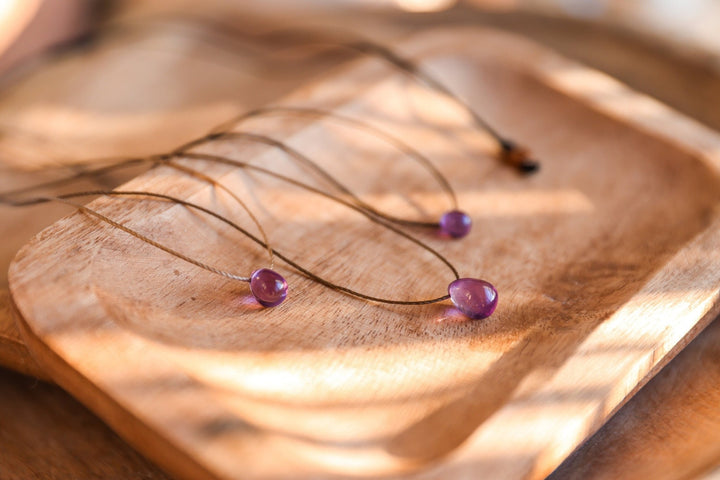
(518, 157)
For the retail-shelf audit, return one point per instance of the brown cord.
(510, 153)
(302, 159)
(312, 276)
(355, 123)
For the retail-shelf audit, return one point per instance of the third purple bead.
(455, 223)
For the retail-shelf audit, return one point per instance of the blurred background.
(691, 24)
(631, 41)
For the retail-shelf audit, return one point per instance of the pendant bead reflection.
(268, 287)
(475, 298)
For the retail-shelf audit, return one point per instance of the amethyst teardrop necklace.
(475, 298)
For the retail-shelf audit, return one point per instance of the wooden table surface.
(669, 430)
(46, 434)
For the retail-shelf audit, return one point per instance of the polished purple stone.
(455, 223)
(268, 287)
(473, 297)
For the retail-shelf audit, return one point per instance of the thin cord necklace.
(454, 223)
(475, 298)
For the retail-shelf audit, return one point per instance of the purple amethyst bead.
(455, 223)
(473, 297)
(268, 287)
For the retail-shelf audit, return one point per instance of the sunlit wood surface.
(660, 435)
(600, 287)
(45, 433)
(669, 430)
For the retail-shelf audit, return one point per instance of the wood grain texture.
(46, 434)
(631, 280)
(15, 353)
(671, 426)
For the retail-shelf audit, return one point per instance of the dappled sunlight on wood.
(424, 5)
(597, 287)
(612, 98)
(484, 204)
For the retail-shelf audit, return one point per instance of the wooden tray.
(605, 263)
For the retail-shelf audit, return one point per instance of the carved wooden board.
(605, 263)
